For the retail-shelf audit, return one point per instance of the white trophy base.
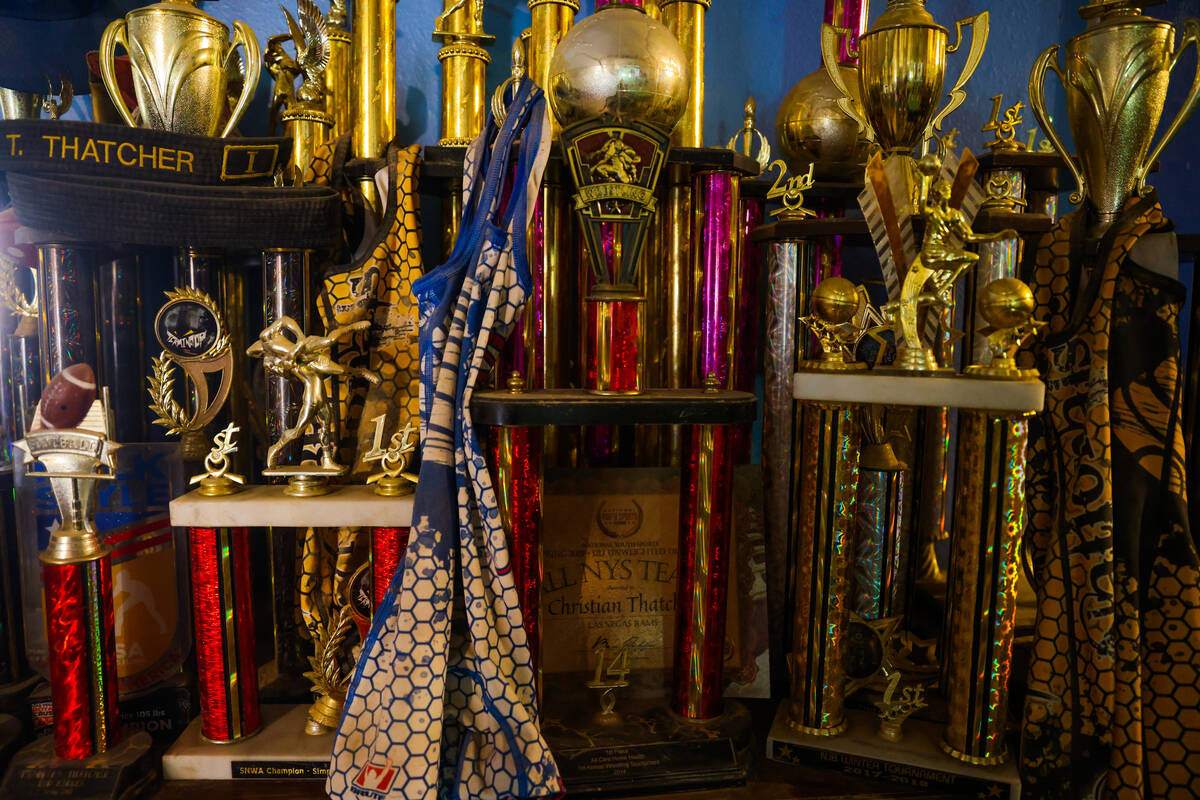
(281, 750)
(936, 390)
(268, 506)
(916, 760)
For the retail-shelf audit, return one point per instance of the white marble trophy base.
(936, 390)
(916, 760)
(268, 506)
(281, 750)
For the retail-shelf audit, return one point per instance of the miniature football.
(68, 396)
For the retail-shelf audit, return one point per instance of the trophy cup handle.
(114, 34)
(245, 37)
(1048, 60)
(1191, 36)
(981, 25)
(830, 38)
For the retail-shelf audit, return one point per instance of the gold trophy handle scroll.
(831, 37)
(980, 27)
(114, 34)
(1191, 35)
(245, 37)
(1048, 61)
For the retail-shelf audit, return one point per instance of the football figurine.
(68, 397)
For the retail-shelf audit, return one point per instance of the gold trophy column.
(374, 93)
(339, 73)
(550, 21)
(459, 28)
(685, 19)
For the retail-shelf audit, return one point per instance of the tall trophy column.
(989, 518)
(706, 485)
(827, 489)
(685, 19)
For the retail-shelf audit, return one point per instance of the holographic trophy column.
(827, 488)
(285, 294)
(989, 516)
(67, 279)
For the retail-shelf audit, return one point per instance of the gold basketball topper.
(192, 334)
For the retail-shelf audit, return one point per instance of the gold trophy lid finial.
(749, 136)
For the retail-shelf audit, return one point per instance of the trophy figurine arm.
(971, 237)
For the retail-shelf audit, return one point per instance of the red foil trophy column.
(388, 544)
(69, 439)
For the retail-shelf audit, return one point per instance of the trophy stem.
(705, 520)
(387, 554)
(828, 488)
(223, 620)
(83, 662)
(989, 516)
(882, 547)
(686, 19)
(614, 355)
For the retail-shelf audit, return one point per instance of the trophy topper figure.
(69, 437)
(287, 352)
(192, 334)
(217, 480)
(392, 480)
(932, 276)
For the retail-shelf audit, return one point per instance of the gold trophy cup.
(902, 69)
(181, 59)
(1116, 78)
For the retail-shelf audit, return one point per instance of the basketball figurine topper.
(192, 334)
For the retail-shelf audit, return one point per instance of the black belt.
(118, 151)
(153, 213)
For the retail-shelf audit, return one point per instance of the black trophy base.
(646, 748)
(126, 772)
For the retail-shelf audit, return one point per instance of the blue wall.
(762, 47)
